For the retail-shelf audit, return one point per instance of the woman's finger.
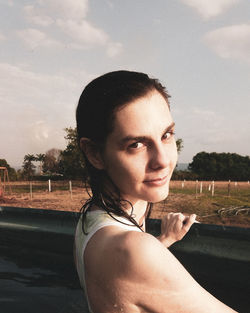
(189, 222)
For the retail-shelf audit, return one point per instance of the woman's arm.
(159, 283)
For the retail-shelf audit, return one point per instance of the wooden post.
(7, 176)
(229, 188)
(201, 187)
(212, 188)
(70, 189)
(49, 185)
(31, 196)
(182, 184)
(196, 189)
(5, 180)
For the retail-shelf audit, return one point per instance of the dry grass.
(181, 199)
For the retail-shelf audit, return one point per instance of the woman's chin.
(158, 195)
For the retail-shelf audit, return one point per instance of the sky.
(50, 49)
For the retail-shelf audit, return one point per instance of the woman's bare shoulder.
(140, 262)
(144, 251)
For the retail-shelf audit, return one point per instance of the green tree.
(179, 144)
(221, 166)
(28, 166)
(72, 163)
(51, 161)
(40, 158)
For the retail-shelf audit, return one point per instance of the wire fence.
(212, 188)
(210, 200)
(25, 187)
(197, 188)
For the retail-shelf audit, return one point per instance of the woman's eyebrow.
(128, 138)
(172, 125)
(142, 138)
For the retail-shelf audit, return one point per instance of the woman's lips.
(157, 181)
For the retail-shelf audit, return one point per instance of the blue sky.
(50, 49)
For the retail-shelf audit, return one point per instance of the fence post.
(212, 188)
(70, 189)
(31, 190)
(49, 185)
(229, 188)
(196, 189)
(201, 187)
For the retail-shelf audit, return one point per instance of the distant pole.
(201, 187)
(31, 190)
(229, 188)
(196, 189)
(212, 188)
(49, 185)
(182, 184)
(209, 187)
(70, 189)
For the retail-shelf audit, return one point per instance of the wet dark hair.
(95, 115)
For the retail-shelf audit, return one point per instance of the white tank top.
(94, 221)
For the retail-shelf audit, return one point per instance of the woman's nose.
(162, 155)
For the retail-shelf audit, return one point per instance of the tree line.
(220, 166)
(69, 164)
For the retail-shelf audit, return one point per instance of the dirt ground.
(64, 201)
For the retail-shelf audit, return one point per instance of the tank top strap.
(99, 219)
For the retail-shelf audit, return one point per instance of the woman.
(126, 133)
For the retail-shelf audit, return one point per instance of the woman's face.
(140, 153)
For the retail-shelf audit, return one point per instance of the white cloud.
(230, 42)
(51, 10)
(36, 17)
(35, 108)
(207, 127)
(20, 85)
(210, 8)
(35, 38)
(113, 49)
(207, 130)
(70, 18)
(83, 32)
(66, 9)
(84, 36)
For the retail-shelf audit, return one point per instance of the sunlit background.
(50, 49)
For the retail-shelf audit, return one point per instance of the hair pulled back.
(95, 115)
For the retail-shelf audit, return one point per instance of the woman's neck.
(139, 211)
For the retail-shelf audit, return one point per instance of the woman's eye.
(136, 145)
(168, 135)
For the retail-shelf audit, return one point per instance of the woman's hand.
(174, 227)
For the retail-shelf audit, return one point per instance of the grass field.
(227, 206)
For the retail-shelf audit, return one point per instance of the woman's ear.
(92, 153)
